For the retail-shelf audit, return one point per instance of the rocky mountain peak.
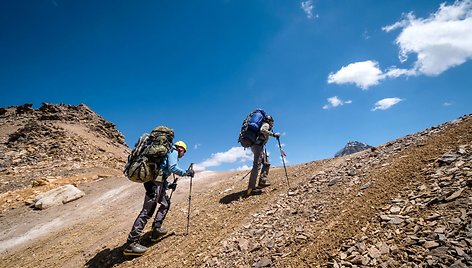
(56, 141)
(352, 147)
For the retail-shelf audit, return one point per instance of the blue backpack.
(250, 128)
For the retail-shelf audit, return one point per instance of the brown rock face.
(54, 142)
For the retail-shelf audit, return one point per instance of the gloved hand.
(172, 186)
(189, 173)
(277, 135)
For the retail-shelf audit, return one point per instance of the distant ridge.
(54, 143)
(352, 147)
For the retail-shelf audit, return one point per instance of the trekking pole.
(246, 175)
(282, 155)
(189, 199)
(170, 196)
(175, 181)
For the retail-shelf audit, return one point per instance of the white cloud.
(334, 102)
(447, 103)
(386, 103)
(284, 159)
(244, 167)
(196, 146)
(308, 7)
(232, 155)
(363, 74)
(440, 42)
(398, 24)
(393, 72)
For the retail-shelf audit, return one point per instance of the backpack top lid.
(162, 131)
(259, 110)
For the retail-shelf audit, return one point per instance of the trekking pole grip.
(191, 168)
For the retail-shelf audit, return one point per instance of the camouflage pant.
(260, 157)
(155, 194)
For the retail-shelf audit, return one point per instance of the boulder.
(58, 196)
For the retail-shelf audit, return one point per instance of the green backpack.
(144, 161)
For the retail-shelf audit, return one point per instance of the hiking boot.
(135, 249)
(254, 191)
(263, 183)
(156, 232)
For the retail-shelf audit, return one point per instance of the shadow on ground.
(233, 197)
(108, 258)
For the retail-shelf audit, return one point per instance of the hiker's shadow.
(233, 197)
(107, 258)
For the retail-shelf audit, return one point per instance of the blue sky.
(327, 71)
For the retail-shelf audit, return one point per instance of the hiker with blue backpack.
(152, 161)
(255, 133)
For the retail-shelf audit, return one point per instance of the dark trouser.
(260, 157)
(155, 193)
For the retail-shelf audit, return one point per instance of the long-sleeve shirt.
(265, 132)
(170, 164)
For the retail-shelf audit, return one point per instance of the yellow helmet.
(181, 144)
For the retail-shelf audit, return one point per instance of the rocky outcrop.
(64, 113)
(55, 141)
(352, 147)
(430, 224)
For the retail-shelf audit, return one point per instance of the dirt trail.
(68, 235)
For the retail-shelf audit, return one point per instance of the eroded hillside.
(53, 145)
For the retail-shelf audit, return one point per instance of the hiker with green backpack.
(255, 133)
(152, 161)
